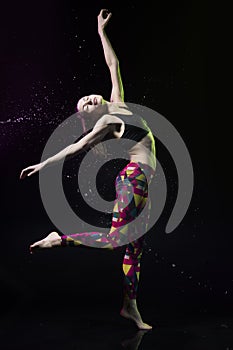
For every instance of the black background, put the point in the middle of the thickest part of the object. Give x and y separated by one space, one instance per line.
51 56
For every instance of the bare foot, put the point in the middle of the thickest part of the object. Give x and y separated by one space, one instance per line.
131 312
52 240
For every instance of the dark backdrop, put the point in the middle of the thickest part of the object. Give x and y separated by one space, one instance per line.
50 56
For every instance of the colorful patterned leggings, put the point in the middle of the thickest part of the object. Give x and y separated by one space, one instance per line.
131 197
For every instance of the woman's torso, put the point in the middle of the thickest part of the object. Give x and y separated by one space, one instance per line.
128 125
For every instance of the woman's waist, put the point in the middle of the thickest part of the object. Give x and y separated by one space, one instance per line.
135 165
144 161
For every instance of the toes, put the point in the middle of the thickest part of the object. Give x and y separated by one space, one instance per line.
34 246
143 326
146 326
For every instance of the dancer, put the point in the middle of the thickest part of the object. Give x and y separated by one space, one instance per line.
111 121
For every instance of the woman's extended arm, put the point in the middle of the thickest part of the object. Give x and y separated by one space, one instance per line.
111 59
91 139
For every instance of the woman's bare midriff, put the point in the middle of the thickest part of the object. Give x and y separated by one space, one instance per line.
143 151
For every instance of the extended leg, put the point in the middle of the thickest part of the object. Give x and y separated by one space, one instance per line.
131 196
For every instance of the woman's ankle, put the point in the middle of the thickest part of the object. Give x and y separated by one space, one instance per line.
128 302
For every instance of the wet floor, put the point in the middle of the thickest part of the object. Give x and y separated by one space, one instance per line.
105 329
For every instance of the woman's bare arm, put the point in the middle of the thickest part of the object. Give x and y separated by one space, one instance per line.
91 139
117 94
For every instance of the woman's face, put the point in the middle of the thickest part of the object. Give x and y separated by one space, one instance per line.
89 103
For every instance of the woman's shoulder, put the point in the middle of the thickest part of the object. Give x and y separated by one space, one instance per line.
117 113
110 119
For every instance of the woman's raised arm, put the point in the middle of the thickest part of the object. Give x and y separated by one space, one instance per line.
117 94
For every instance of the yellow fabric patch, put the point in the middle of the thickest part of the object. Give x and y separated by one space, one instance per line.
137 199
141 177
126 268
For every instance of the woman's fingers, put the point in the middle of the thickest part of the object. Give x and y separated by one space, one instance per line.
105 14
25 173
108 17
102 11
22 174
32 172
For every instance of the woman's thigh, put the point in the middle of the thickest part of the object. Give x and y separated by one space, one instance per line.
131 197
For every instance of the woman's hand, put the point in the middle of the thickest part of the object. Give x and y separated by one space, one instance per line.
31 170
103 18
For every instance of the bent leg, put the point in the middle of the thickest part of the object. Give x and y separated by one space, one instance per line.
131 196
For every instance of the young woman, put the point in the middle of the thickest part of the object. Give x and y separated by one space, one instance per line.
112 117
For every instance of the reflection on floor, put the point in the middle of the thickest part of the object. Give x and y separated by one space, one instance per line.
105 330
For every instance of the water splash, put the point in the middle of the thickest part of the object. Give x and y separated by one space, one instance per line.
25 120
